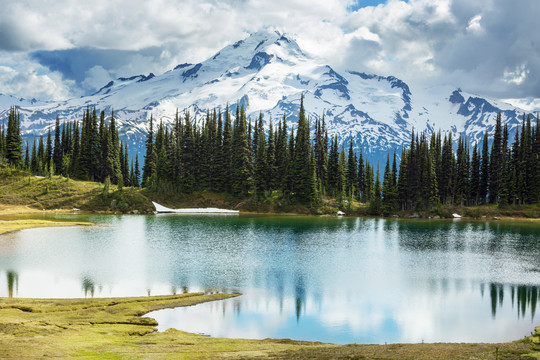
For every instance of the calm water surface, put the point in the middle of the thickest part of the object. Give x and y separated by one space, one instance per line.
326 279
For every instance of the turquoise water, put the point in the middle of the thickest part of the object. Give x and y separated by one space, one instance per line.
336 280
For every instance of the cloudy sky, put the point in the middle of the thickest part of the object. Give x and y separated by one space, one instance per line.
64 48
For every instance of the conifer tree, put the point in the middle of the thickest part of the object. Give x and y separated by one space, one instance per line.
227 152
462 174
302 172
368 183
446 182
484 170
261 163
282 156
333 168
495 164
114 152
375 203
389 191
2 143
75 152
57 151
361 176
241 157
149 158
474 189
219 155
188 155
402 180
351 170
137 171
48 152
13 140
34 162
271 167
341 177
27 157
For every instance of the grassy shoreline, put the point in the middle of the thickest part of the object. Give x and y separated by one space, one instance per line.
21 190
117 328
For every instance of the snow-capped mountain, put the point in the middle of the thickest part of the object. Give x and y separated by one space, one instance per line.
267 73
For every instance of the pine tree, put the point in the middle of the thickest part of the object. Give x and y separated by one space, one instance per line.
219 171
34 162
389 191
188 155
369 183
282 156
114 152
462 174
321 154
149 158
2 143
227 152
48 152
75 153
375 203
536 160
302 172
433 199
333 168
57 151
137 171
271 167
85 148
351 170
446 182
341 176
27 157
261 163
241 157
13 150
402 181
474 189
361 176
495 165
484 170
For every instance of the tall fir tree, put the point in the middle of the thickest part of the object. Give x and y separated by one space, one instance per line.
149 158
302 171
13 151
352 170
57 150
484 170
495 164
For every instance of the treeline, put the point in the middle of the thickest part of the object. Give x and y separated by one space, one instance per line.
231 154
91 150
431 173
235 157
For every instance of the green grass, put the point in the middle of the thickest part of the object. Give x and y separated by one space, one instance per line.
7 226
116 328
19 188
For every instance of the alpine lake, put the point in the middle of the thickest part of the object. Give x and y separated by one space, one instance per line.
338 280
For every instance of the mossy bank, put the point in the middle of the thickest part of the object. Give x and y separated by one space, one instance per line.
116 328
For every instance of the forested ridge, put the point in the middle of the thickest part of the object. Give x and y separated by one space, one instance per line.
231 154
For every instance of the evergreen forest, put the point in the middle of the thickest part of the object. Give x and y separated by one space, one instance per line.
246 159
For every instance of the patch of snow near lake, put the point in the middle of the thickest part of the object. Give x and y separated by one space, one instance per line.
163 209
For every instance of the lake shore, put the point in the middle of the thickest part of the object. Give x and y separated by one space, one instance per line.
23 194
117 327
13 218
